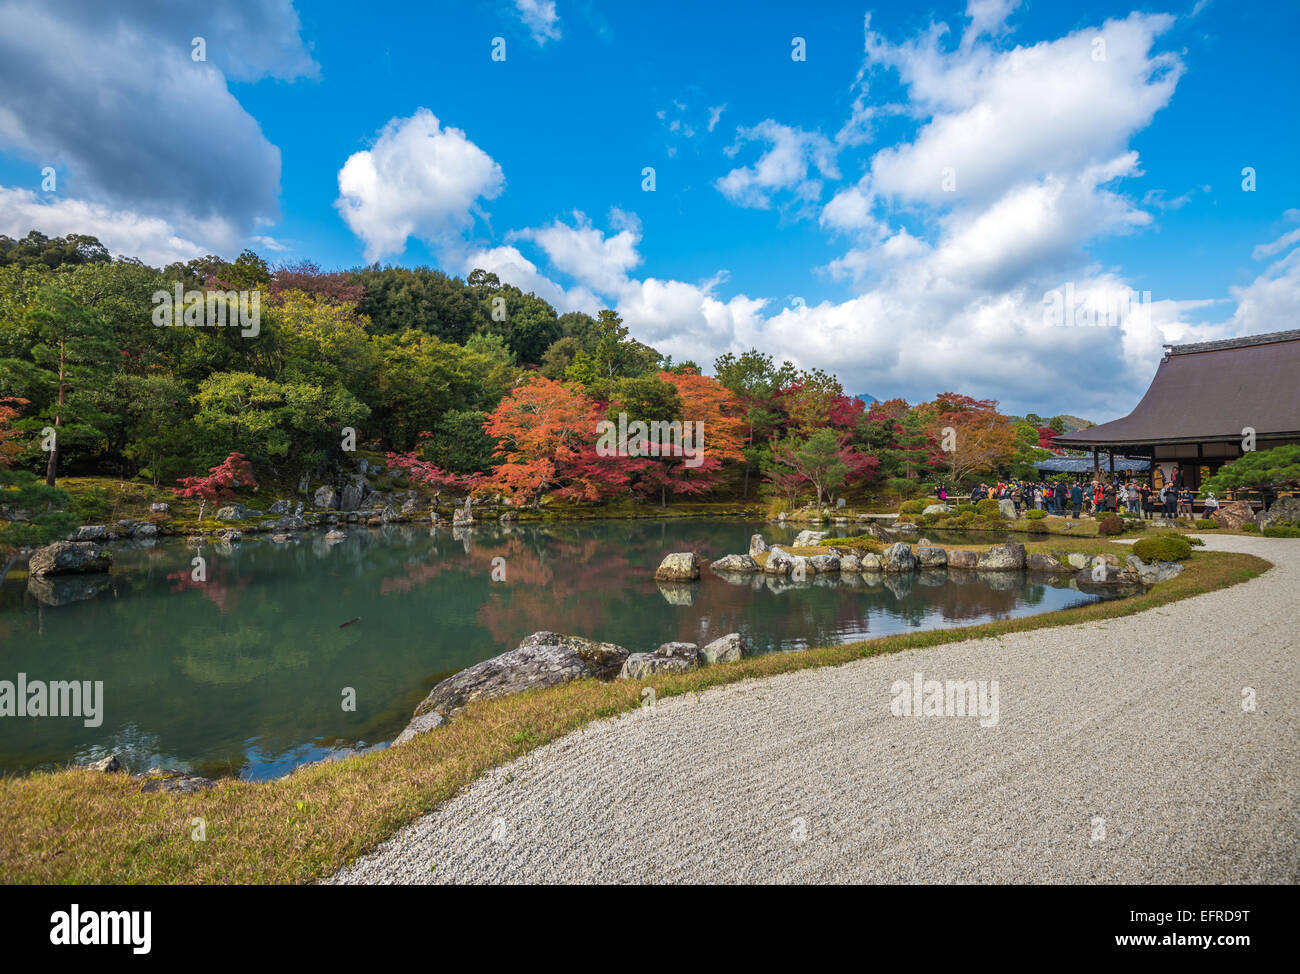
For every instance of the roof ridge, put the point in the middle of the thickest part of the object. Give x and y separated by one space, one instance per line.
1244 341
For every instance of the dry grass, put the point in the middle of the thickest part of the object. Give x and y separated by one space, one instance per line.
80 826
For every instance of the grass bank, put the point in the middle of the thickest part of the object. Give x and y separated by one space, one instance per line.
79 826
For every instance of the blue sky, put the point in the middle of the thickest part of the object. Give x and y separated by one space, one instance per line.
895 207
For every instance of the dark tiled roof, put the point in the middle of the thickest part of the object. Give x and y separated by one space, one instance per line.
1212 390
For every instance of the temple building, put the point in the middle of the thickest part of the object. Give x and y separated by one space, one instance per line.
1207 400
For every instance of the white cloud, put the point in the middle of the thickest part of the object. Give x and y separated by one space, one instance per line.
784 166
715 113
586 254
418 179
999 119
512 267
123 232
541 19
109 94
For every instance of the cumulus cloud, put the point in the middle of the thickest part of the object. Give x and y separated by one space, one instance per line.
418 179
784 166
162 135
123 232
541 19
995 119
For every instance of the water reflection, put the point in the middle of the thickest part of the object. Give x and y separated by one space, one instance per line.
244 672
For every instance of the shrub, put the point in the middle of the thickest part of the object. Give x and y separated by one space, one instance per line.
911 507
966 509
1196 542
1036 526
1282 531
92 506
1250 527
1207 524
1165 547
1035 515
988 507
863 541
1112 525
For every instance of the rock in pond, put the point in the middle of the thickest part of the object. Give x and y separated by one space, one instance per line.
757 545
778 562
279 508
668 658
871 562
335 536
1042 561
735 563
92 532
69 558
728 649
325 497
928 556
850 563
899 558
1002 557
806 539
963 559
544 659
680 566
821 564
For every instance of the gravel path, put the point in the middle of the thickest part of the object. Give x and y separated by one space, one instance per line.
1122 753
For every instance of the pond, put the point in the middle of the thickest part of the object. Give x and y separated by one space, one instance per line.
244 673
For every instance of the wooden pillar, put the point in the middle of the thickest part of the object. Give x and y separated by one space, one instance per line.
1096 465
1112 465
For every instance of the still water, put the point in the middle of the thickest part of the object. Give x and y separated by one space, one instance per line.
244 674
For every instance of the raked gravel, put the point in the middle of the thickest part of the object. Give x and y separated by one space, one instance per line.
1122 754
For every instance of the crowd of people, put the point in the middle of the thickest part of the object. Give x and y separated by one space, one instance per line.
1094 498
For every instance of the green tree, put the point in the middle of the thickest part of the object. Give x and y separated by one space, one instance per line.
1259 470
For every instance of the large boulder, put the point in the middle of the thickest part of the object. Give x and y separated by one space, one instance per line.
1007 509
735 563
352 497
92 532
326 497
1282 509
1002 557
778 562
69 558
680 566
899 558
929 556
963 559
1042 561
728 649
937 509
807 539
871 562
280 507
544 659
850 563
668 658
822 564
1234 515
1149 573
757 545
231 512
